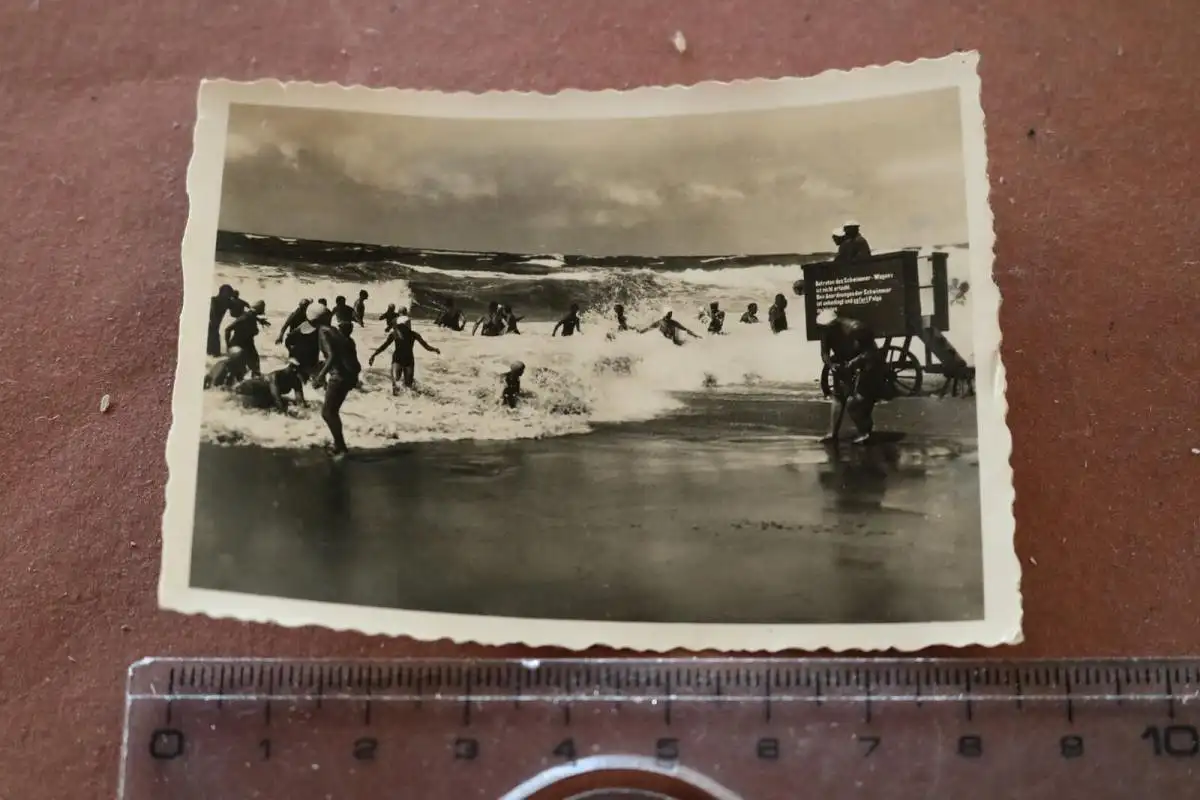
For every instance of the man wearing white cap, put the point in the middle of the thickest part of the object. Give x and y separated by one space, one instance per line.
404 360
854 246
857 372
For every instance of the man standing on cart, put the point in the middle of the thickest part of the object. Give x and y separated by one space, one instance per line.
858 373
853 246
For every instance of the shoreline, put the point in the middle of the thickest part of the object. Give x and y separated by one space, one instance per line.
796 416
609 527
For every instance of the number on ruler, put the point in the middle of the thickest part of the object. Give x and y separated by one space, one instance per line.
565 750
265 746
870 742
1181 741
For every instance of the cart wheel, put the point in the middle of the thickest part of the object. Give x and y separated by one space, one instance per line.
904 371
826 382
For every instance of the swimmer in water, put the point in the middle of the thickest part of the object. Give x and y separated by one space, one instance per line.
511 393
716 318
218 308
389 317
294 320
241 333
669 327
450 317
569 324
490 322
338 375
226 371
237 306
303 343
341 311
622 323
269 393
751 315
360 308
404 361
777 314
510 320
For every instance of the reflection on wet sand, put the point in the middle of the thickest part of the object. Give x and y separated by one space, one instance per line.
608 526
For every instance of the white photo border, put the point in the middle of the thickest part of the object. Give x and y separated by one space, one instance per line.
1001 568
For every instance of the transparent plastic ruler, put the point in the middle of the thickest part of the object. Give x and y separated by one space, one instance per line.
684 729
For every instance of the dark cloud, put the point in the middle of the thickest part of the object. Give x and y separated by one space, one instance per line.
765 181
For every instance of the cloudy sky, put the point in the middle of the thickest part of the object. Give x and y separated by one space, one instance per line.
748 182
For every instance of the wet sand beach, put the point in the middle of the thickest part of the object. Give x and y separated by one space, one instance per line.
726 511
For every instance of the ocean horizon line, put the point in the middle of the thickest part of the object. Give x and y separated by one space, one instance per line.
242 243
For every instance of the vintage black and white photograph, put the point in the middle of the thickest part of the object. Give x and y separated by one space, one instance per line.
705 367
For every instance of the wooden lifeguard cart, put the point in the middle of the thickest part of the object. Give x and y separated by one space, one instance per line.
885 293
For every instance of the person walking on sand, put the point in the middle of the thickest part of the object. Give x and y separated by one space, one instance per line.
570 324
360 308
669 327
294 320
854 246
269 393
511 394
490 321
858 373
716 318
777 314
751 315
217 309
241 333
404 361
338 375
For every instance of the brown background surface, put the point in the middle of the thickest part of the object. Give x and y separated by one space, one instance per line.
1093 136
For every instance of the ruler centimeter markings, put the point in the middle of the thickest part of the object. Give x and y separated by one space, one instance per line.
684 728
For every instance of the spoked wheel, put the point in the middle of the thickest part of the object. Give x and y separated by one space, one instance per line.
904 371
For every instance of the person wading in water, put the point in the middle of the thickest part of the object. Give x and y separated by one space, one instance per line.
669 327
338 376
294 320
858 373
777 314
269 393
404 361
490 322
241 333
570 324
217 309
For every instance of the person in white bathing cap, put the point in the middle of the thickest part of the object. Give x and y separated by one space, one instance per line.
669 327
854 246
303 343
